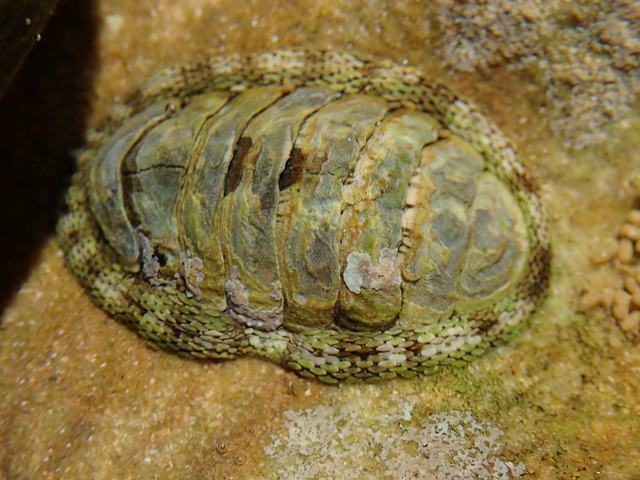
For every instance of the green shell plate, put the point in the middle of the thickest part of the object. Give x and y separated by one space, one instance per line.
345 218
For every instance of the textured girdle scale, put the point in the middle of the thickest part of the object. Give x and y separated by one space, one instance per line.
347 219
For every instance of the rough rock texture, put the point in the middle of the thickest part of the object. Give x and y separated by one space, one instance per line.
83 396
583 56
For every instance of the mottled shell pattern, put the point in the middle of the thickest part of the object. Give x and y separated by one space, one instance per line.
347 219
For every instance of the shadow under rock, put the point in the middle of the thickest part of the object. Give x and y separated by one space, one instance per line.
42 119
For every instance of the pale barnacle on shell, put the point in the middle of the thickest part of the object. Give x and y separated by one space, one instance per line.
348 219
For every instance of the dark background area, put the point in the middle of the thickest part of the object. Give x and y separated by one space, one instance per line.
21 26
43 116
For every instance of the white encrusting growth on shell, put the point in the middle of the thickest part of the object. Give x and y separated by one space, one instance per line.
361 273
239 310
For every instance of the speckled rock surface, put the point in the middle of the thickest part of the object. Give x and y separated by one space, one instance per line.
83 396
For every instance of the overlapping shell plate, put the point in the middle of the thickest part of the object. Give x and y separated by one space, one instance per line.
344 218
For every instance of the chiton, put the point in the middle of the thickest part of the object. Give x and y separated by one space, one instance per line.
348 219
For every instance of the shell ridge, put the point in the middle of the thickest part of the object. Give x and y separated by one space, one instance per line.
254 202
200 214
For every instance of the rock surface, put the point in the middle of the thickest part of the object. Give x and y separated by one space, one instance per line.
84 397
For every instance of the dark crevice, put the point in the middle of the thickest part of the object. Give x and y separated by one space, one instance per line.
236 167
153 167
293 169
42 120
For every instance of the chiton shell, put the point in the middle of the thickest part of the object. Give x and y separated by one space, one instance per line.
345 218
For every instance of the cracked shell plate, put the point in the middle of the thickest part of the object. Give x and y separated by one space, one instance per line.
345 218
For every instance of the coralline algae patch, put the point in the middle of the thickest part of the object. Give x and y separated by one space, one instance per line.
318 442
